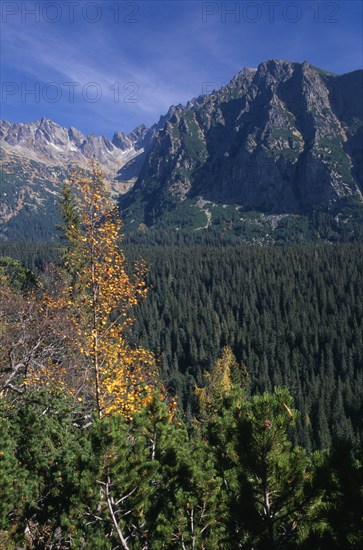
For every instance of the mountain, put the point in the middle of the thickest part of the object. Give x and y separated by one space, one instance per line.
36 157
278 145
47 142
285 138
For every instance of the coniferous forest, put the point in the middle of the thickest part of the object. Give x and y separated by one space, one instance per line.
292 316
193 397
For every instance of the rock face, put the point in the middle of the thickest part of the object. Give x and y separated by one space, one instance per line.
35 158
48 142
285 137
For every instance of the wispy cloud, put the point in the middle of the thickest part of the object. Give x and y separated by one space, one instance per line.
168 53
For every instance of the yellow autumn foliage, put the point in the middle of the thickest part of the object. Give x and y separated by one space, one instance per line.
97 296
218 382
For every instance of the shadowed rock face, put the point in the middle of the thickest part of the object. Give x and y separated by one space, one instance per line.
121 141
285 137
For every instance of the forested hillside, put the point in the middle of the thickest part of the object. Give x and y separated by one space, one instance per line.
178 397
293 316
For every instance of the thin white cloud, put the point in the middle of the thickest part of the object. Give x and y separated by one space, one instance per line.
168 54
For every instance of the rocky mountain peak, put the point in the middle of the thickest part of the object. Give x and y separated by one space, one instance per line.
275 138
138 133
46 141
121 141
76 136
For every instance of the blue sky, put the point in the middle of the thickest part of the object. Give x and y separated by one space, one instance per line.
103 66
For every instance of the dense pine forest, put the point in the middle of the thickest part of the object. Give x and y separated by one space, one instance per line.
292 315
194 396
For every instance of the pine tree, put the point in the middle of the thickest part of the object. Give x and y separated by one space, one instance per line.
263 474
274 471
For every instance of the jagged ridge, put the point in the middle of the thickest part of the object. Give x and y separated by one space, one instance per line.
285 137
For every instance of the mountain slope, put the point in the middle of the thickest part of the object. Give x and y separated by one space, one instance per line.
35 158
283 138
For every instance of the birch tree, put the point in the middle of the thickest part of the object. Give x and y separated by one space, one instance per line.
98 296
